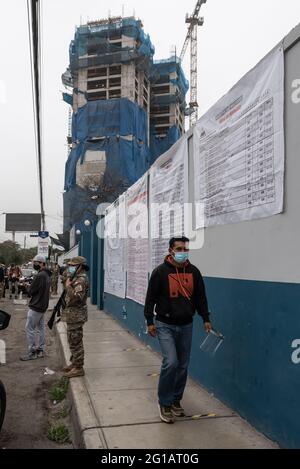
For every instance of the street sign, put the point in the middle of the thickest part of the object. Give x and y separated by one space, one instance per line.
43 234
43 243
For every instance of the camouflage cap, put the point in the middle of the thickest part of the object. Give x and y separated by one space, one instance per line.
77 261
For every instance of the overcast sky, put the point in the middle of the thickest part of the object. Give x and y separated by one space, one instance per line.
235 36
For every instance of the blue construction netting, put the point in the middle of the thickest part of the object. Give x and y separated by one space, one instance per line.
160 72
126 159
77 208
126 162
106 118
159 145
99 36
120 128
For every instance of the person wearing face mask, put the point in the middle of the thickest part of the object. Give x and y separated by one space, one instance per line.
39 292
75 313
176 290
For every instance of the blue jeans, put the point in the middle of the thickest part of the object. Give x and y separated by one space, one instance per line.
175 343
35 331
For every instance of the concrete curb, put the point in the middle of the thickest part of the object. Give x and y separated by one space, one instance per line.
87 430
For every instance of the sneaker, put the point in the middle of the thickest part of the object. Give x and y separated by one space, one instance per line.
40 354
177 410
28 356
165 414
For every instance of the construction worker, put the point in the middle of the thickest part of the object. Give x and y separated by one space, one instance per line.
75 313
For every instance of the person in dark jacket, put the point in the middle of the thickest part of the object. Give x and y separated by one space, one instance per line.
39 292
2 281
176 290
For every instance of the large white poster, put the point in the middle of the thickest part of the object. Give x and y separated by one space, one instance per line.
115 249
137 241
168 195
239 149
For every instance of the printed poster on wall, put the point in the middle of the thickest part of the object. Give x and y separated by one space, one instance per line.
239 149
115 249
137 242
168 194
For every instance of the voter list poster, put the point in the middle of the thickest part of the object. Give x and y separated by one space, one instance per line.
115 249
239 149
137 251
168 195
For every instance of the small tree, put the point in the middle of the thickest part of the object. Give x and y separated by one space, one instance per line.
10 253
95 191
28 254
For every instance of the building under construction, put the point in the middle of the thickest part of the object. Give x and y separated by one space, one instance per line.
127 110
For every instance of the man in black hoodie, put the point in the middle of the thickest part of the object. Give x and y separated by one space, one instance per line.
39 292
176 290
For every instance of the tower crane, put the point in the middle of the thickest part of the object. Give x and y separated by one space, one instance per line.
192 35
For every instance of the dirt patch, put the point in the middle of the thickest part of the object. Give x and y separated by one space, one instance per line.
30 412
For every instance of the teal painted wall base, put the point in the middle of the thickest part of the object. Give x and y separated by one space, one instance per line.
253 371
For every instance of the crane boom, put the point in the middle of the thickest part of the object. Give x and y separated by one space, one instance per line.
194 16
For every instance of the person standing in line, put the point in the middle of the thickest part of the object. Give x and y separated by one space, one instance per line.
14 275
39 293
2 281
176 290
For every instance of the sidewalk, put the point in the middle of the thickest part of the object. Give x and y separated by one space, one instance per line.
115 404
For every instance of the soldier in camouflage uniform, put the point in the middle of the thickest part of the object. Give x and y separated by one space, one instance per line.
75 313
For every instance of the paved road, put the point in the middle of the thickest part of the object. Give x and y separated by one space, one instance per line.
28 405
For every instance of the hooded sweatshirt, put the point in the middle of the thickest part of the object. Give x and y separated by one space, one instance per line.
176 293
39 291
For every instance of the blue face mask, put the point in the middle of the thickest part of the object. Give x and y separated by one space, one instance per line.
72 270
181 257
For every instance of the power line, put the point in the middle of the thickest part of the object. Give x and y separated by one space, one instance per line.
34 26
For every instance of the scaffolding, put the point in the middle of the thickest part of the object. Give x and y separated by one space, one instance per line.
100 43
115 91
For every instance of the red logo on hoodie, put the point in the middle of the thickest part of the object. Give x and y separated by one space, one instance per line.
181 284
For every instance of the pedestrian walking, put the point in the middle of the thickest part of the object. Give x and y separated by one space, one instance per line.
176 291
75 313
39 292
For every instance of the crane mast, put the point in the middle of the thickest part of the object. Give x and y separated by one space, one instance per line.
192 36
